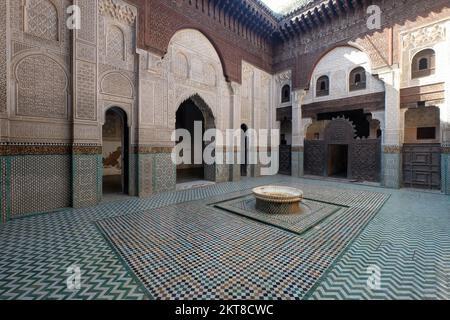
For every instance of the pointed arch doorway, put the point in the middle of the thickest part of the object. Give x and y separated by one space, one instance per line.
115 152
189 112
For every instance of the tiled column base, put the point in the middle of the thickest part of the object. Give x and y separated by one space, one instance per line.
297 162
5 189
155 171
392 167
164 173
255 170
235 169
144 175
445 172
222 172
87 179
133 174
33 179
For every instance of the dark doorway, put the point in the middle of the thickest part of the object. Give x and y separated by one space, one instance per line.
186 116
244 151
338 161
115 152
285 156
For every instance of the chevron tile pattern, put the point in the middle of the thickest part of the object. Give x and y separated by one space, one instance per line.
409 243
408 240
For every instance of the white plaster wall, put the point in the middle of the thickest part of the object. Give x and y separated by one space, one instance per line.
118 72
434 36
337 65
279 81
256 97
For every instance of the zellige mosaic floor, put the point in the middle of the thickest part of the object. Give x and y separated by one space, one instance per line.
195 251
176 245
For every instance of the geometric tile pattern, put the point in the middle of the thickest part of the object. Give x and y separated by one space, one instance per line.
164 173
5 186
40 183
87 180
312 213
195 251
409 241
36 251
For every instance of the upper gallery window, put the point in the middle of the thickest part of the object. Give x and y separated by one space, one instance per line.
423 64
323 86
286 94
358 79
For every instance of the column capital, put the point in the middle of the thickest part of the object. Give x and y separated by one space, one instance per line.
306 123
389 75
297 97
234 87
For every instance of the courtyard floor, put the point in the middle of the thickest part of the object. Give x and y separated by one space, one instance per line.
207 243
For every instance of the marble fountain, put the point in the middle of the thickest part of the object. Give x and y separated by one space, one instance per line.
278 199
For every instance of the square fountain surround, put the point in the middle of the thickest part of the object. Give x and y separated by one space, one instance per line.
312 213
194 250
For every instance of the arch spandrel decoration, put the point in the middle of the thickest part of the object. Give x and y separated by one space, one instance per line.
202 75
202 99
117 84
340 131
196 41
203 106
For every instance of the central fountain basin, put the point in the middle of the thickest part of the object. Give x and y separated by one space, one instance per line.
278 199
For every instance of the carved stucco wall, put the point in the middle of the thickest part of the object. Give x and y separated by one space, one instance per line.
39 84
191 66
42 85
3 57
337 65
41 19
117 59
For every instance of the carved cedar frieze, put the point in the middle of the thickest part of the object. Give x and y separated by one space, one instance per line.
122 13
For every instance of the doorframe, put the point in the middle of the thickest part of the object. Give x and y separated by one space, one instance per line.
125 146
327 158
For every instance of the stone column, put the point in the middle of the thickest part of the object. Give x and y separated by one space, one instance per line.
86 156
298 133
142 154
381 117
234 152
393 133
